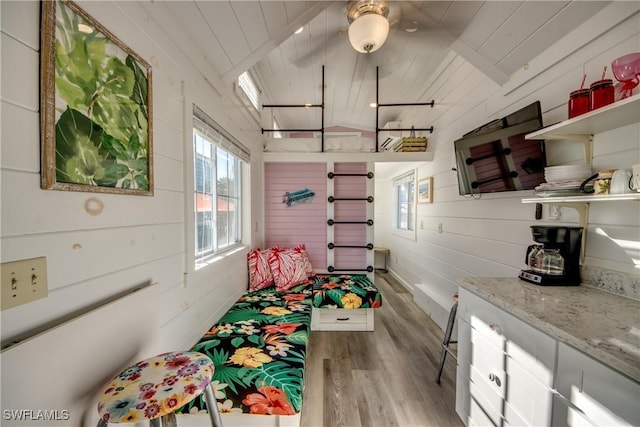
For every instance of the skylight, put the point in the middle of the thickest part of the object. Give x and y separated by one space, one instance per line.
250 89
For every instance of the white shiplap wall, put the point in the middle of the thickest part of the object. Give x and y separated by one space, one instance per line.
133 240
489 236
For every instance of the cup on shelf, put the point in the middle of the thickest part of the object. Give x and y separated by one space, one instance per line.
601 182
620 182
601 93
578 102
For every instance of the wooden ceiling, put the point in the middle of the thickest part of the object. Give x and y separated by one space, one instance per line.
496 37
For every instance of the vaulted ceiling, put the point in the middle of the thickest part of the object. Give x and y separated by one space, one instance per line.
496 37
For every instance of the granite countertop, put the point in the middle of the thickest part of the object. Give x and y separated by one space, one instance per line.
603 325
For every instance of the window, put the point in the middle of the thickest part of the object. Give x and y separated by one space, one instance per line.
217 189
404 196
250 89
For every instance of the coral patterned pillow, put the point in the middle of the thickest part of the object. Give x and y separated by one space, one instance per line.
287 268
302 250
260 276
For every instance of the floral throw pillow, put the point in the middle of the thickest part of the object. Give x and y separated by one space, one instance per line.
287 268
260 276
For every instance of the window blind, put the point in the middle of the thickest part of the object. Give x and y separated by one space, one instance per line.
404 178
216 133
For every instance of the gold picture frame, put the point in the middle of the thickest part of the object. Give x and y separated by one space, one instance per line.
96 107
425 190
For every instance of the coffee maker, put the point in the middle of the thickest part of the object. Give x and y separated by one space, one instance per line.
555 260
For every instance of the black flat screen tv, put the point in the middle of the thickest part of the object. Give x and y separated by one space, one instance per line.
496 156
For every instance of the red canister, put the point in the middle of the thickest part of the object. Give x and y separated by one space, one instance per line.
578 102
601 93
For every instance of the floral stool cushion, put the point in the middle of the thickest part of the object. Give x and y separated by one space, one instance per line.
155 387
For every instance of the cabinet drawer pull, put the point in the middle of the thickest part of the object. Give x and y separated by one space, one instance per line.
342 319
495 379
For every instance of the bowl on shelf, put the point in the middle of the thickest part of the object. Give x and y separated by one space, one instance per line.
626 70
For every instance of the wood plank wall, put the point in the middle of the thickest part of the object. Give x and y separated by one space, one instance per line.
350 210
462 236
304 223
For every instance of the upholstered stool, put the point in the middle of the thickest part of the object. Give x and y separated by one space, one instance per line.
153 388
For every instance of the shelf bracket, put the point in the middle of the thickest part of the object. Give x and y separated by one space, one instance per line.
586 139
583 221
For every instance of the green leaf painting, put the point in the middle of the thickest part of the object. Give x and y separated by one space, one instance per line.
101 105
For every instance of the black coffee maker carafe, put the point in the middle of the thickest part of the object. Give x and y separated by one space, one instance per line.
555 260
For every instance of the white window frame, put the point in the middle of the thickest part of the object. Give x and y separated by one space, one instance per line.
402 179
204 126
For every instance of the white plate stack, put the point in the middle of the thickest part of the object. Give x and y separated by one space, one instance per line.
567 173
563 180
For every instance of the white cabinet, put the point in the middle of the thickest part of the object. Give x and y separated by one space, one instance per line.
593 394
512 374
505 367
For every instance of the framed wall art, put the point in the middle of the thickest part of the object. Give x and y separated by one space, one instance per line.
96 107
425 190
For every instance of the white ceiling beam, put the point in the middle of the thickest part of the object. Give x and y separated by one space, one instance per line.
480 62
275 41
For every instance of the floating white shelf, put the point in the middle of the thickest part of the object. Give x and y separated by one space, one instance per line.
583 199
618 114
582 128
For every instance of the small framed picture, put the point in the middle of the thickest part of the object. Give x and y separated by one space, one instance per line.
425 190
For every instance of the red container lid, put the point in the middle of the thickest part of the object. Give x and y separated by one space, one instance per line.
579 92
601 83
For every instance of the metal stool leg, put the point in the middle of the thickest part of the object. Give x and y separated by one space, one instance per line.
212 407
447 340
169 420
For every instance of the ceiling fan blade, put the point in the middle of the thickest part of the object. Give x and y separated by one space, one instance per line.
319 50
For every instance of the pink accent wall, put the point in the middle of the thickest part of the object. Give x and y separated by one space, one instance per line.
304 223
348 210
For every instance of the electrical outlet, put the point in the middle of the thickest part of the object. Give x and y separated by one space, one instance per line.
554 211
440 227
23 281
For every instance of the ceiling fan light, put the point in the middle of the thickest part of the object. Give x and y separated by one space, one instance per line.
368 32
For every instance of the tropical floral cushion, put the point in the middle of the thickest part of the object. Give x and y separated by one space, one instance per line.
260 276
258 349
287 267
345 291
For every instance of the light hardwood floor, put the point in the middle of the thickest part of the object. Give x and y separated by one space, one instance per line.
381 378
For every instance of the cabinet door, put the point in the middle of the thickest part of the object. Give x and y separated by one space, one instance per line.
487 373
463 397
511 364
594 392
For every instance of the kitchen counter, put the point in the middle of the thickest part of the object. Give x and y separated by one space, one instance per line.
600 324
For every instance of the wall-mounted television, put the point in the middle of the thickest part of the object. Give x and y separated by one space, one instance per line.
496 156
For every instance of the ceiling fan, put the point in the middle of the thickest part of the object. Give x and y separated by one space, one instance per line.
368 24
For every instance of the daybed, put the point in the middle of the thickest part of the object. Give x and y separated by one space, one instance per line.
259 346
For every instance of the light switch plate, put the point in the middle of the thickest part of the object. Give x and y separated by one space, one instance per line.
23 281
